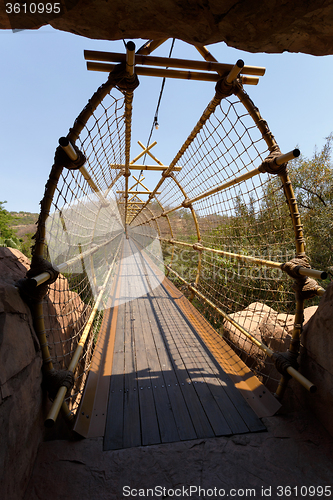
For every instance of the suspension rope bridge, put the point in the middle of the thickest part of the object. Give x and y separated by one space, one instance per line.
158 310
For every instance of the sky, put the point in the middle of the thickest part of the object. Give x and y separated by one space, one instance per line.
45 84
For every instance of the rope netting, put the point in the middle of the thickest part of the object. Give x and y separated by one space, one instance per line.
249 218
80 234
225 226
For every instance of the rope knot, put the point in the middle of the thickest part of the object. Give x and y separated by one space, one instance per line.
31 293
187 203
61 159
224 89
119 78
58 378
304 285
283 360
269 164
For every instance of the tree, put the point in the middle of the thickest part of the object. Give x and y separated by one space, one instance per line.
312 180
6 232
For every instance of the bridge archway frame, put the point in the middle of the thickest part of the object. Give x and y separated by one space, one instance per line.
61 163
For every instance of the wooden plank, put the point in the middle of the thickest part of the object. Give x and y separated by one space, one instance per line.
252 390
149 425
164 399
217 382
208 419
238 403
132 427
173 416
95 398
113 438
199 419
196 365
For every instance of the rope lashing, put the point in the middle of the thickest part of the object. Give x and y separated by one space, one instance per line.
187 203
55 379
224 89
283 360
29 291
61 158
119 78
269 164
306 286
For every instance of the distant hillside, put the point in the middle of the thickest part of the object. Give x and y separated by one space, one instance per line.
23 223
24 227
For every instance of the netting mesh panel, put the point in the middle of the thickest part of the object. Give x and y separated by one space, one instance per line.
249 218
84 230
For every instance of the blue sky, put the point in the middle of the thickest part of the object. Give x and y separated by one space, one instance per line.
45 84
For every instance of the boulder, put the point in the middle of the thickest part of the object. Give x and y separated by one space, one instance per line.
268 326
317 360
253 26
21 419
22 403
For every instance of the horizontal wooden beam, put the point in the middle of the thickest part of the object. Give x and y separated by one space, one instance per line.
146 167
138 192
170 73
220 68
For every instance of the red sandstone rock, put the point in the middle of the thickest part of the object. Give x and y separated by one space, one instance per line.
21 426
267 326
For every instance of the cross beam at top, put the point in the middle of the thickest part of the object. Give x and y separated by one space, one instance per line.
208 67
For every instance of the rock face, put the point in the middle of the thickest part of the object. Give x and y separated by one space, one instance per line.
22 402
317 360
21 425
249 25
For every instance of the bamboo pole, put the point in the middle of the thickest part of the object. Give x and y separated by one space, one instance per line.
72 155
235 70
287 157
41 278
169 73
303 271
157 168
58 401
142 152
139 181
150 154
291 371
206 54
128 124
68 148
137 192
165 62
221 187
130 58
152 45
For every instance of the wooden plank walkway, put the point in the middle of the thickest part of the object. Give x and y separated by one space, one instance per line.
165 384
